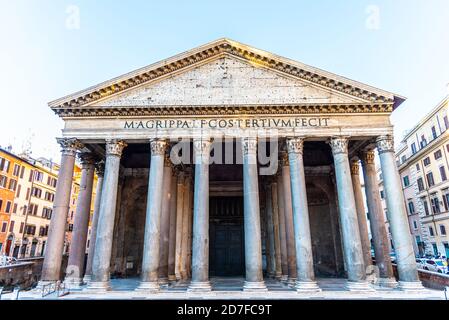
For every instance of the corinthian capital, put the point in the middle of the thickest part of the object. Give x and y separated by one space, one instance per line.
295 145
355 167
69 146
385 144
367 156
339 145
202 146
158 147
99 168
115 147
87 160
249 145
283 159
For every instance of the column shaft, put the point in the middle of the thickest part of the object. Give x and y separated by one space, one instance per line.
253 242
103 243
397 215
277 240
361 215
282 232
200 242
165 222
185 227
77 254
302 237
150 261
172 228
271 256
352 246
51 268
179 224
94 223
289 228
377 221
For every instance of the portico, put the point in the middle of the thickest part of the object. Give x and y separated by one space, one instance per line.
228 160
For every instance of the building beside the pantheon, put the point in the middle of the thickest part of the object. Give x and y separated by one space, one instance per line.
423 163
227 160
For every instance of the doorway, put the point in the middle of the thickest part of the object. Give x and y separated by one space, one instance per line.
226 250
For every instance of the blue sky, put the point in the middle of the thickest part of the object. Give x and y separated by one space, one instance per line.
400 46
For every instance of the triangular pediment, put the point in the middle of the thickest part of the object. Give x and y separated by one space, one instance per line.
227 81
226 73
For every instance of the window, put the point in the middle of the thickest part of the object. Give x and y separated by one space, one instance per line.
430 180
406 181
446 200
49 196
39 176
426 206
8 207
434 132
403 159
446 122
411 207
19 187
382 195
46 213
443 173
435 203
431 233
14 208
437 154
415 225
11 226
51 182
1 204
4 165
70 227
33 209
21 227
16 170
442 230
3 181
12 184
22 171
30 179
36 192
423 142
28 194
30 230
4 226
418 167
426 161
413 148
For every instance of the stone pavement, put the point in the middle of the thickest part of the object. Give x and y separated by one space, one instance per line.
231 288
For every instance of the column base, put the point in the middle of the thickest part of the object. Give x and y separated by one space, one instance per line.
171 277
254 286
73 283
307 287
42 283
87 278
148 287
291 281
199 286
359 286
411 286
278 276
98 286
387 282
163 281
284 278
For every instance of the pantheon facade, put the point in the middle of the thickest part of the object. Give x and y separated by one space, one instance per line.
229 161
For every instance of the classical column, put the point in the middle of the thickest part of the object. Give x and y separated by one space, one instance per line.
165 222
103 242
179 223
200 244
349 225
377 221
253 241
270 250
282 232
189 234
99 168
51 268
150 260
185 226
288 212
173 225
361 215
277 240
77 254
397 216
303 241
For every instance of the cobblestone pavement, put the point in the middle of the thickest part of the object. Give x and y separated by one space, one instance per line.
231 288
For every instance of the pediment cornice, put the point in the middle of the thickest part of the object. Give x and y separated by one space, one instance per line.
219 48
